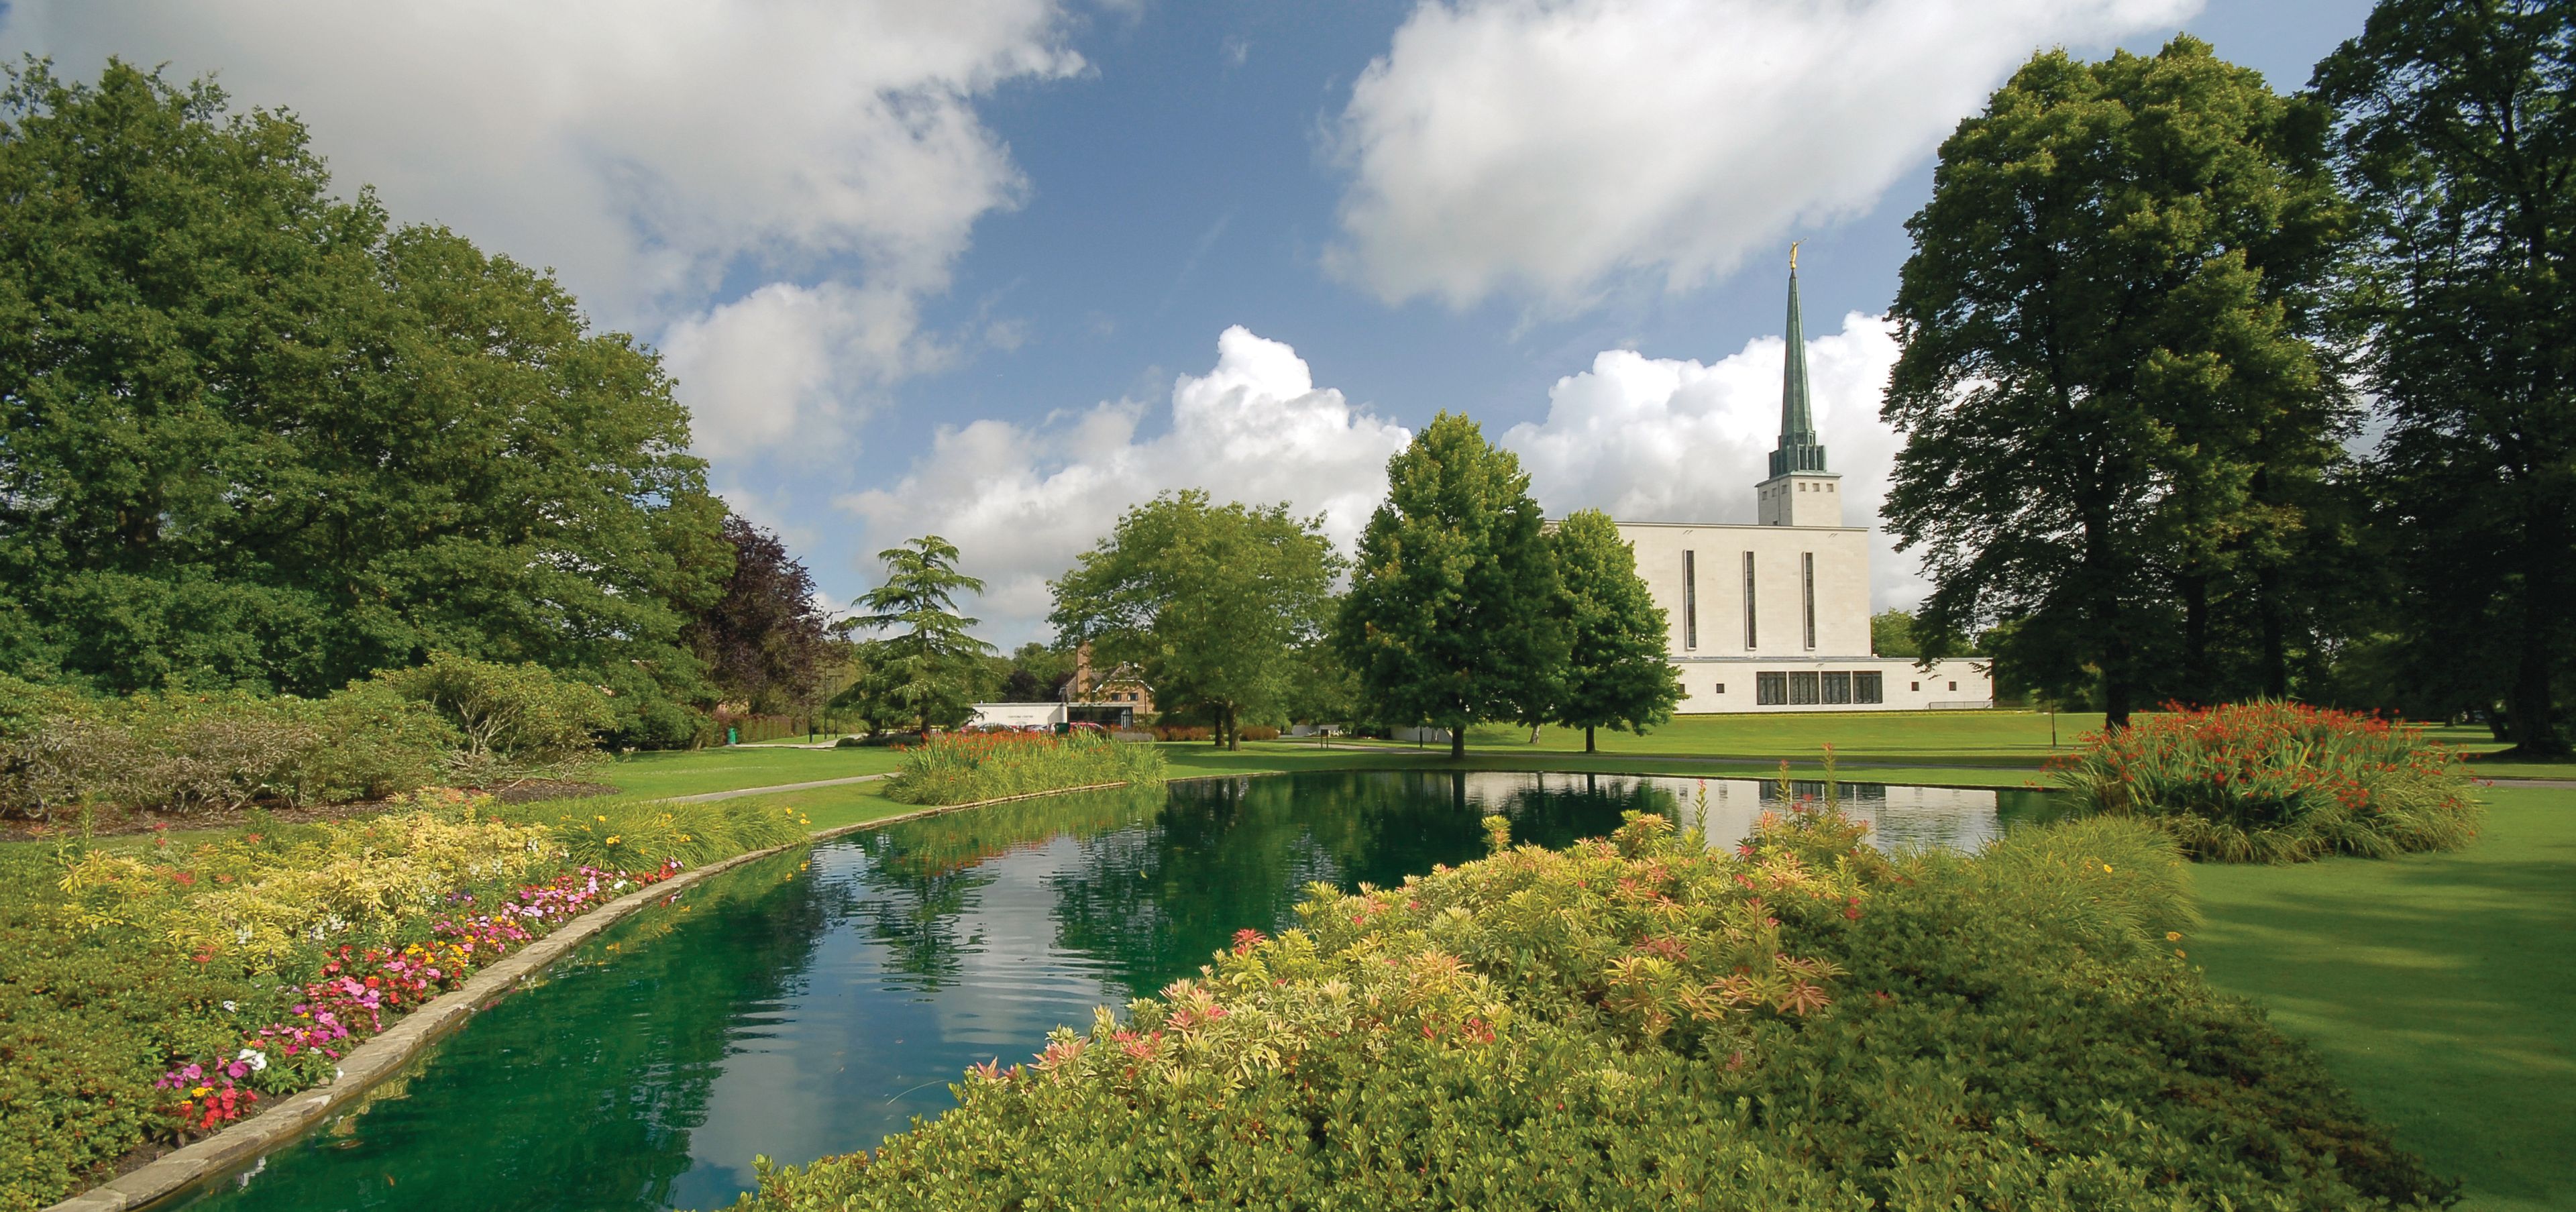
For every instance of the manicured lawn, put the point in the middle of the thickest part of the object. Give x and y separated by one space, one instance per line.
732 768
2440 987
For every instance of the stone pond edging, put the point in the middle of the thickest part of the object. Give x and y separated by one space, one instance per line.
385 1053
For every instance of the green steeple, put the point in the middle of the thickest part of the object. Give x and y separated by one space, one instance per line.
1798 450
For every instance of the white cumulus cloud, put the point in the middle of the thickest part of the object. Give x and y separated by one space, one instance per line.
1658 440
1543 147
1021 502
659 154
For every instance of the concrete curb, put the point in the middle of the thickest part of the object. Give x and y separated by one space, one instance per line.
386 1053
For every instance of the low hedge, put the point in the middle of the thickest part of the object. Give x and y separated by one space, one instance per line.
1639 1023
2276 782
964 767
152 990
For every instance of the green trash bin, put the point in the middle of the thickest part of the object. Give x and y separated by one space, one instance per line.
733 736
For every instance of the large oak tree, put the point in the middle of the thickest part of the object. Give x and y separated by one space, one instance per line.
2103 352
255 435
2460 140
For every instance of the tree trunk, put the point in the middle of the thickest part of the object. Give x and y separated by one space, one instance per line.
2195 639
2530 715
1589 746
2102 589
2276 643
1233 731
1458 743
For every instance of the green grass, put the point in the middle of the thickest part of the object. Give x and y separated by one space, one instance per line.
732 768
2440 987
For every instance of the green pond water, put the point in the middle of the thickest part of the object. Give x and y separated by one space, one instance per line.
814 1002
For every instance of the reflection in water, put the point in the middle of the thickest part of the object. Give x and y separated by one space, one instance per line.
811 1004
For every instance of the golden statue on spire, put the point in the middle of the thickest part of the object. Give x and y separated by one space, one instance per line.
1793 255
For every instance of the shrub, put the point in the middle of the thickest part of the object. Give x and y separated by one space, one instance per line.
1638 1022
516 720
186 752
617 832
961 768
1258 732
2277 783
1182 732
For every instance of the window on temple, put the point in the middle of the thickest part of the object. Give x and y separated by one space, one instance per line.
1838 687
1748 601
1690 599
1808 559
1865 687
1770 689
1803 690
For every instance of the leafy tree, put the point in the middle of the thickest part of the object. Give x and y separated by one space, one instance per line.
2102 351
254 436
1034 673
763 642
1212 602
2459 138
1891 634
931 671
1454 614
1616 674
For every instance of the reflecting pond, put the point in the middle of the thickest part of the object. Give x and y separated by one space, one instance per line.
815 1001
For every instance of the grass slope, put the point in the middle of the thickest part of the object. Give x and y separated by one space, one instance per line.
2440 987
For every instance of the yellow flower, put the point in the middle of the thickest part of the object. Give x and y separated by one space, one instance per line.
612 839
2106 868
600 819
2173 936
2178 953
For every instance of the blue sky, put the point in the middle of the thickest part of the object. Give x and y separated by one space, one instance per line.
1001 269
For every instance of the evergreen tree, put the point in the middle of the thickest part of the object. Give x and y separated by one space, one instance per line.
1212 602
1615 672
2103 349
1454 614
931 670
2460 141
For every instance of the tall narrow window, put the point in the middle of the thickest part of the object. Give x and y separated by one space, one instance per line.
1748 601
1808 563
1690 599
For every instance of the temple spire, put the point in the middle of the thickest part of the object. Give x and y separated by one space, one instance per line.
1798 449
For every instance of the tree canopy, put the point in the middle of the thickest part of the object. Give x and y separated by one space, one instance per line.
1616 674
253 435
1455 613
2104 351
2459 139
1215 603
763 639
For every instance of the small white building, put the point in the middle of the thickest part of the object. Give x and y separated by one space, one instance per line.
1016 715
1775 616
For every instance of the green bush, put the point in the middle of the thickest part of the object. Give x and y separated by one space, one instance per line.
2277 783
188 752
1639 1023
619 832
516 720
962 768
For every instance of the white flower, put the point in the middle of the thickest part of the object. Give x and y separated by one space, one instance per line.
253 1057
229 1007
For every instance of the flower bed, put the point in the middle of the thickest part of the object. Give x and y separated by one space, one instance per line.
150 993
1639 1022
962 768
2277 783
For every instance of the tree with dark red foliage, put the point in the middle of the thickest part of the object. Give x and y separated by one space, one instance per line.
763 641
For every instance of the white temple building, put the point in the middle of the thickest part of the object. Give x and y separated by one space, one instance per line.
1775 616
